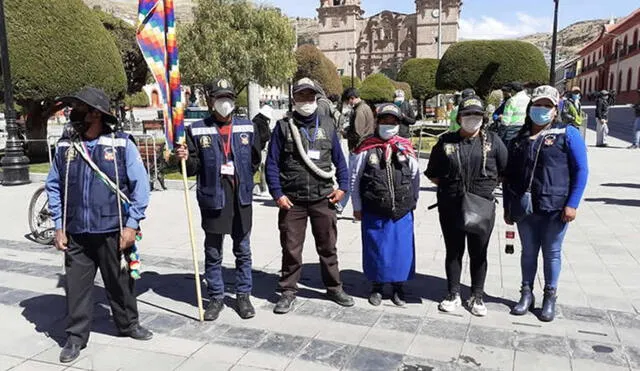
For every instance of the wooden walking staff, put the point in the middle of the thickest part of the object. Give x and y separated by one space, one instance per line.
158 42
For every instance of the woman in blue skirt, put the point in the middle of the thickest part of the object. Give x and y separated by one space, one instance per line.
385 184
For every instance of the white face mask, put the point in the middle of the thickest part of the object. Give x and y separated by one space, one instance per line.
387 132
471 124
306 108
224 106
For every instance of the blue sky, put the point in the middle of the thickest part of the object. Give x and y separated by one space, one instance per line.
491 18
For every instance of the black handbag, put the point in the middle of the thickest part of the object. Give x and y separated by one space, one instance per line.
478 213
521 205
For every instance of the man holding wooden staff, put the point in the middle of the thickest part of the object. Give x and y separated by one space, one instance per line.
222 152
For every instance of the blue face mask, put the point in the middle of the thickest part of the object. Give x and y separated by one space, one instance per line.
576 97
541 115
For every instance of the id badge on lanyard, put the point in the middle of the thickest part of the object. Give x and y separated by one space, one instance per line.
228 167
313 153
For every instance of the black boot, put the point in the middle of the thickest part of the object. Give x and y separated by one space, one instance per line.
213 309
526 303
548 304
398 297
245 308
375 298
70 352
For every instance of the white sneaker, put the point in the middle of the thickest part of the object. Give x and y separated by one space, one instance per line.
477 306
450 303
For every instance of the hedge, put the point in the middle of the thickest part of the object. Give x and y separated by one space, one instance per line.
486 65
420 74
56 47
346 82
377 88
312 63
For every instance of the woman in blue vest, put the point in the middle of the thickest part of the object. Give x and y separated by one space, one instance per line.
385 184
469 160
546 174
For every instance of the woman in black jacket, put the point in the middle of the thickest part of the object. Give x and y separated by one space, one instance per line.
471 160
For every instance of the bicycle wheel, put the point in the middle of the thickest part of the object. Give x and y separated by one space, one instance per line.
40 221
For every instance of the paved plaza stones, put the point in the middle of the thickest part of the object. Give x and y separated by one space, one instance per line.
597 327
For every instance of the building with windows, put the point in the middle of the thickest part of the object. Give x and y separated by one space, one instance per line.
612 61
383 42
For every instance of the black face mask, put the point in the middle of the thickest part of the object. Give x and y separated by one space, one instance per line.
78 122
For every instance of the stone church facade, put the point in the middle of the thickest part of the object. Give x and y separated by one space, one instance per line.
383 42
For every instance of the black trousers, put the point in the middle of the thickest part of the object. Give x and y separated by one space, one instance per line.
324 226
85 254
454 240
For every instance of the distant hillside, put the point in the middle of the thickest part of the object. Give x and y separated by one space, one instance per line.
128 9
570 39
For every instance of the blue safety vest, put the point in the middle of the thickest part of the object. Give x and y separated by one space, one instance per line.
551 177
91 206
205 136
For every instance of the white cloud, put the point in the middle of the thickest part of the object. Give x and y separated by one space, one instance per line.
488 28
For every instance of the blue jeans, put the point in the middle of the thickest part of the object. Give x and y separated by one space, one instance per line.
542 231
213 264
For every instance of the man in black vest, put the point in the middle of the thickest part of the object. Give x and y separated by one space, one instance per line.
222 152
300 178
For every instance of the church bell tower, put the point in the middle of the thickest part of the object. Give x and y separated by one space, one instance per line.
339 21
428 15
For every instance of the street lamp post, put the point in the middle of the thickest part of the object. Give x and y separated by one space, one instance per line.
353 71
14 164
554 44
618 83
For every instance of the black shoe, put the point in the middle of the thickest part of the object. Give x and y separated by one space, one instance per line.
245 309
375 298
341 298
285 304
526 303
548 305
138 333
633 146
213 309
70 352
398 296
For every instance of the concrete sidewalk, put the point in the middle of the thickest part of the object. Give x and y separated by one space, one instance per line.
598 326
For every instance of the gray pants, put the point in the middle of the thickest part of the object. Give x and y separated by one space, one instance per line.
602 132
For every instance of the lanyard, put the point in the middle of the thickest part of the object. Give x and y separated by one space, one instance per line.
226 147
315 133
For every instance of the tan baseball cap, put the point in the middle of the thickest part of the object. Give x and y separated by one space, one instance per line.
546 92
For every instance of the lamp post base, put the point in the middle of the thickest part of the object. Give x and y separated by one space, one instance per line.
15 165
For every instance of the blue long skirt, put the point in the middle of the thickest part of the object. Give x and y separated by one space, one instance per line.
388 248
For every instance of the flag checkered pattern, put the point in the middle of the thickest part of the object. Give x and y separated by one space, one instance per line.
156 35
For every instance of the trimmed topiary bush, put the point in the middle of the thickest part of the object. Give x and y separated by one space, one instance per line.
377 88
346 82
486 65
315 65
420 73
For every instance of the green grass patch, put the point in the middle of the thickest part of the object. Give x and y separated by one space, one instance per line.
42 168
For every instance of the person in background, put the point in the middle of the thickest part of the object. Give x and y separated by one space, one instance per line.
507 93
548 159
385 184
262 122
515 111
361 126
473 160
636 124
408 115
303 151
571 111
224 154
603 102
454 126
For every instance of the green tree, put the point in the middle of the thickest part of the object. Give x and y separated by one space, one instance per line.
420 74
57 47
124 36
238 40
487 65
139 99
315 65
346 82
377 88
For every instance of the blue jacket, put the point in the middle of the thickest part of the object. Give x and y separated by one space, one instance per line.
91 206
206 157
560 176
